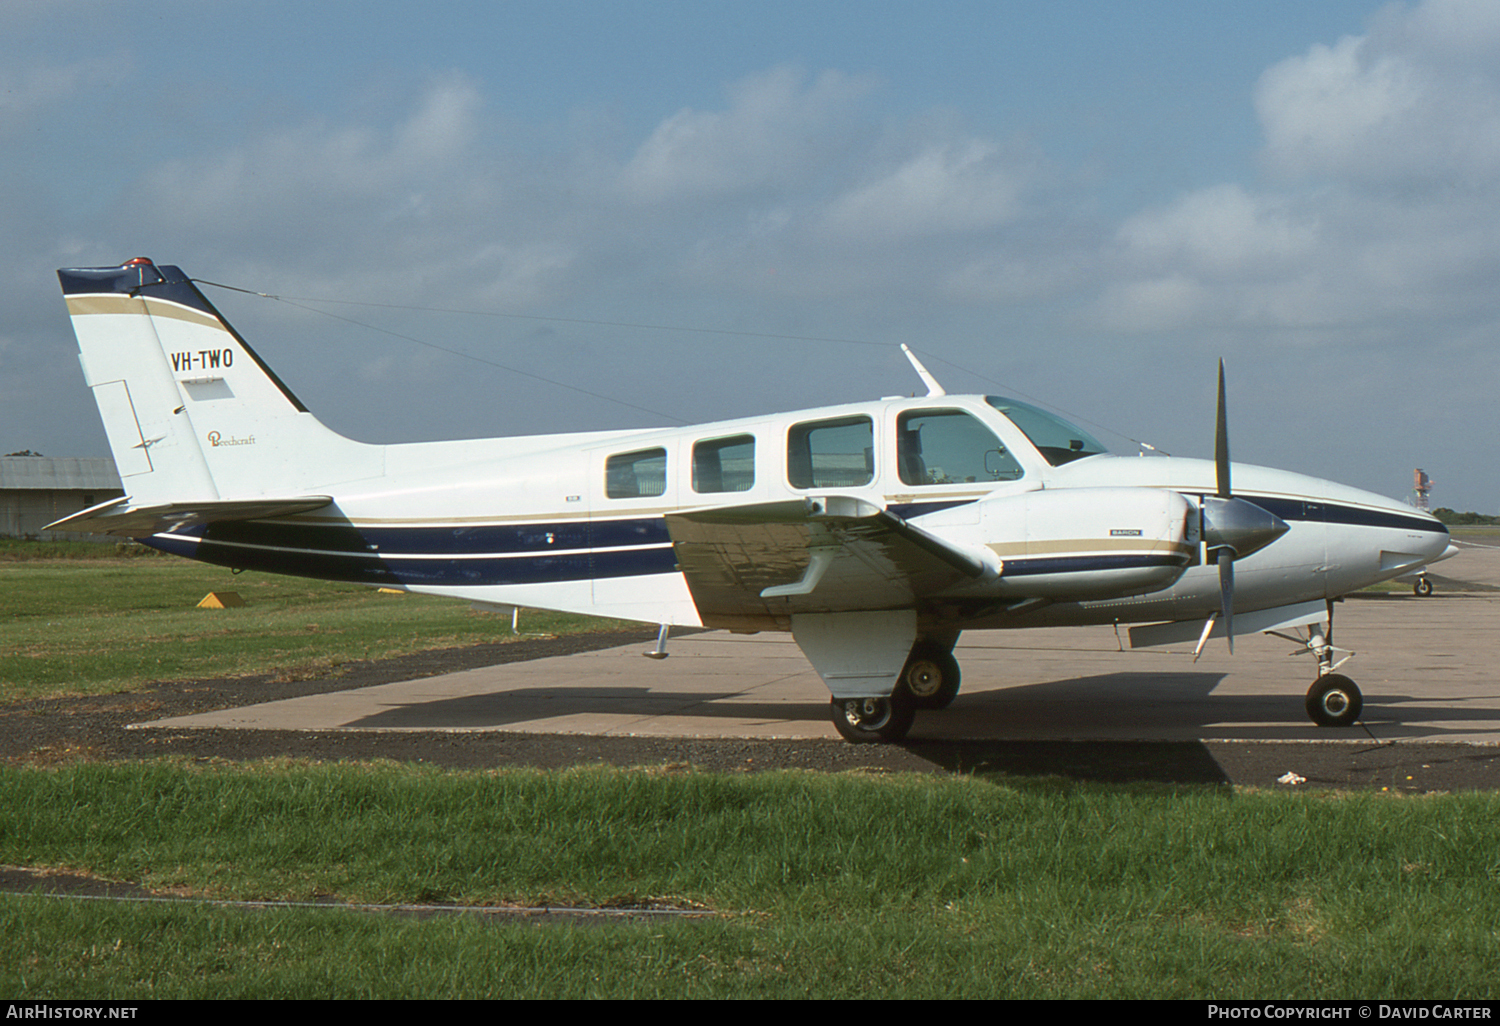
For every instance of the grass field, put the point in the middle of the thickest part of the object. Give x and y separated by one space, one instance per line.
89 622
820 885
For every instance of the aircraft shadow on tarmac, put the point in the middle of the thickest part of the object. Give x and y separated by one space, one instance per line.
1415 715
1119 706
500 709
1168 728
967 751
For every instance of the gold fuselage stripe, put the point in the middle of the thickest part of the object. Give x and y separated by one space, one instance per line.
1081 545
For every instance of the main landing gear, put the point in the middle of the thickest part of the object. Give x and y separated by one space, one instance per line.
929 680
931 675
869 720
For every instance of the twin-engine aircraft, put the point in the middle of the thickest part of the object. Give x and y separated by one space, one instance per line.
874 532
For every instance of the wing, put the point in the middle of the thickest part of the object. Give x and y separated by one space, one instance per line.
751 567
118 516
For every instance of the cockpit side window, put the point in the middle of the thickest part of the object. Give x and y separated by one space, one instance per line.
940 447
1058 441
831 453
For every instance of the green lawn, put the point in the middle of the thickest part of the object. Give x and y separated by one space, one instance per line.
822 885
90 626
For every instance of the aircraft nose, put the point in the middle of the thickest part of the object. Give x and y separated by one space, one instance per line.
1240 525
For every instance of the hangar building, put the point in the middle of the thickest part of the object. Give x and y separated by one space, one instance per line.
36 490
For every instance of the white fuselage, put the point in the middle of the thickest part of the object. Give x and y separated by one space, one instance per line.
535 522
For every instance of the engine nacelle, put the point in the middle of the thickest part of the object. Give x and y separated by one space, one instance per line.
1089 543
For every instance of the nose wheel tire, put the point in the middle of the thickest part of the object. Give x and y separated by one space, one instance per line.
931 678
1334 701
1422 588
873 720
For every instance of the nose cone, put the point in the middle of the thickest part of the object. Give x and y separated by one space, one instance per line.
1239 525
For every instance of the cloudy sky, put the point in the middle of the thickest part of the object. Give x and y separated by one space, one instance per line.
514 216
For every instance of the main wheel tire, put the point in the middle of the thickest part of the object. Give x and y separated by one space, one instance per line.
872 720
1334 701
931 677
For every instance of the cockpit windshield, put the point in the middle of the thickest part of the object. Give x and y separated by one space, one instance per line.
1058 441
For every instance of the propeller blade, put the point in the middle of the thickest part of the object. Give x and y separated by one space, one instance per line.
1226 593
1221 441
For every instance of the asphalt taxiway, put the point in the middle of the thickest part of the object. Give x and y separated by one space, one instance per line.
1425 665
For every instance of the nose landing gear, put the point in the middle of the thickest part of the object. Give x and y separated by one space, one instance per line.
1333 700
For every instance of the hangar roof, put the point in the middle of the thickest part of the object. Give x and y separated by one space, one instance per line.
44 472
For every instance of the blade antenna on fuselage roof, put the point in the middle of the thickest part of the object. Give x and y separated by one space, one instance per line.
933 388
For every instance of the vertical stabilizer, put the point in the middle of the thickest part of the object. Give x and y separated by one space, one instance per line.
192 413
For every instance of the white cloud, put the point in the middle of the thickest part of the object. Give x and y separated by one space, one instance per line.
959 186
1220 231
1449 27
1393 107
445 124
1166 303
775 127
314 172
26 92
1017 276
1383 209
507 276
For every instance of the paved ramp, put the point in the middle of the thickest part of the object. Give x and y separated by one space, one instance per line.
1427 668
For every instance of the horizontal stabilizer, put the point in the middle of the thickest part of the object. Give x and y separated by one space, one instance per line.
118 516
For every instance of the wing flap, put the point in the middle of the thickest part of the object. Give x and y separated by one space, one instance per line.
119 517
747 565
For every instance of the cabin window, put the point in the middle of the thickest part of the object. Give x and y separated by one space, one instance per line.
940 447
724 464
635 475
831 453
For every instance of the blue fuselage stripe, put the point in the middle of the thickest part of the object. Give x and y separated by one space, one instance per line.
1087 564
474 570
577 550
1352 516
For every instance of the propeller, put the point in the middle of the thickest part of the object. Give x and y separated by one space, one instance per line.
1225 555
1232 528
